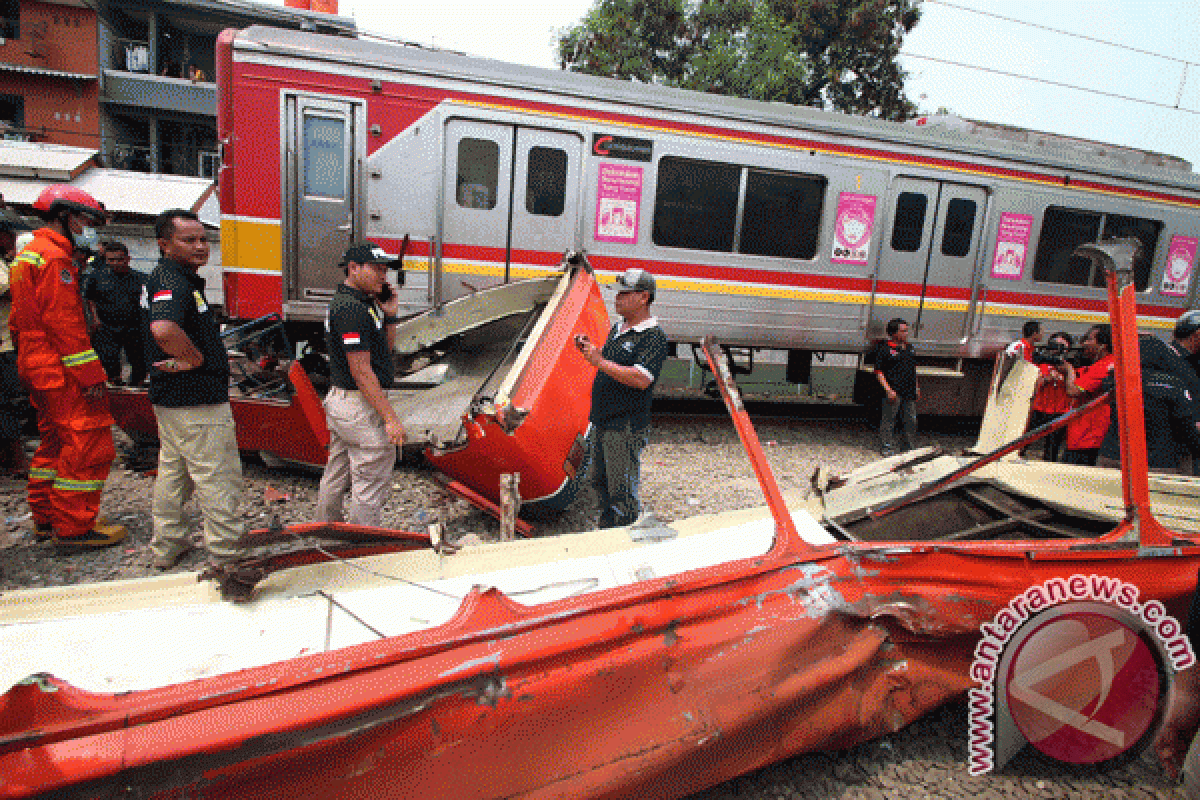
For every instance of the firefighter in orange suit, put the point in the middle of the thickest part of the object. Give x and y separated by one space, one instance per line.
65 378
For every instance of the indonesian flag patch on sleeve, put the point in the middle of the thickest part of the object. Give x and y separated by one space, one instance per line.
351 338
165 294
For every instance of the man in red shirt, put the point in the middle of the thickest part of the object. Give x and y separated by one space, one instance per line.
1031 334
1086 433
1050 398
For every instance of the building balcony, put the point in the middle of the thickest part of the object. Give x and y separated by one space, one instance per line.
142 90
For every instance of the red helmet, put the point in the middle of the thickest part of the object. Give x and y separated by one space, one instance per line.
62 197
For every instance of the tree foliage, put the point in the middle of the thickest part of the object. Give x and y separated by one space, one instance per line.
838 54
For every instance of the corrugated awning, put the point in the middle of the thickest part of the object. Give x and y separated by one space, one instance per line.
54 162
52 73
125 192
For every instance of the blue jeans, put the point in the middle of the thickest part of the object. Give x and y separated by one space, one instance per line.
906 409
616 472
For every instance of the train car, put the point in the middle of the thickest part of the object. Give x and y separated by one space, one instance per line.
768 225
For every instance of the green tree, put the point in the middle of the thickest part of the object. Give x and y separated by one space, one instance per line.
838 54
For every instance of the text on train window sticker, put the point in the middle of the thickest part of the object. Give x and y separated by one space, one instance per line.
697 207
1064 229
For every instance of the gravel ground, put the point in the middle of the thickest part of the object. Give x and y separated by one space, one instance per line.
692 465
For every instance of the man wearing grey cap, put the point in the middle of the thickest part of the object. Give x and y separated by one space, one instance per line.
364 429
626 370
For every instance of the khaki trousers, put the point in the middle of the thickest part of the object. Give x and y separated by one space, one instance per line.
361 459
198 454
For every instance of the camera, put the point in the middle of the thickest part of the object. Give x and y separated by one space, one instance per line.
1055 355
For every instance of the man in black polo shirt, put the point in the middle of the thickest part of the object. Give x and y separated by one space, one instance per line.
113 292
896 371
626 371
364 430
189 388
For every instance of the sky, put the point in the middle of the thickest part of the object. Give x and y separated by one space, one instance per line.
524 32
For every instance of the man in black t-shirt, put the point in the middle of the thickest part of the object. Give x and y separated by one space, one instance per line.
189 388
113 292
896 371
364 430
626 370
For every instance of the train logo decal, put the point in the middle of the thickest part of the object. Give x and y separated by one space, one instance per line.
1012 244
1177 276
853 229
618 198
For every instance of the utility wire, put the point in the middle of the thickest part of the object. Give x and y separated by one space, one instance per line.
1059 31
1051 83
1048 82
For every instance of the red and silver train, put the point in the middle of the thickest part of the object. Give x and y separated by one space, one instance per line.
770 226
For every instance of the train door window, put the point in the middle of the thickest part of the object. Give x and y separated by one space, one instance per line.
1147 231
909 222
695 204
959 227
1062 231
546 187
781 215
324 157
478 173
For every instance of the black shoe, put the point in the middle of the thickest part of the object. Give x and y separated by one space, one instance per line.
105 534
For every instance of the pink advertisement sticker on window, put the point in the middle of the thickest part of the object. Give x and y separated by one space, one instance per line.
618 203
853 228
1012 246
1181 258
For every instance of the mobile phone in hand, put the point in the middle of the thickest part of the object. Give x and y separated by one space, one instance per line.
385 292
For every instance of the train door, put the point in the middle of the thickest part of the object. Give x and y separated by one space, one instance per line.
321 197
933 243
511 199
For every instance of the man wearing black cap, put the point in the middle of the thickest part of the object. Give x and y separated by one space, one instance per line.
364 430
626 371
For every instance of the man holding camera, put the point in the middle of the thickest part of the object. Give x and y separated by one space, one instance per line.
364 430
626 370
1050 398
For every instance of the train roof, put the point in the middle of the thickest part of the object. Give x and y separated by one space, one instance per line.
655 99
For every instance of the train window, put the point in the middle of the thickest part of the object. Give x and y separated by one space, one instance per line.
959 226
324 156
1062 231
478 173
695 205
782 215
909 224
546 189
1147 231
